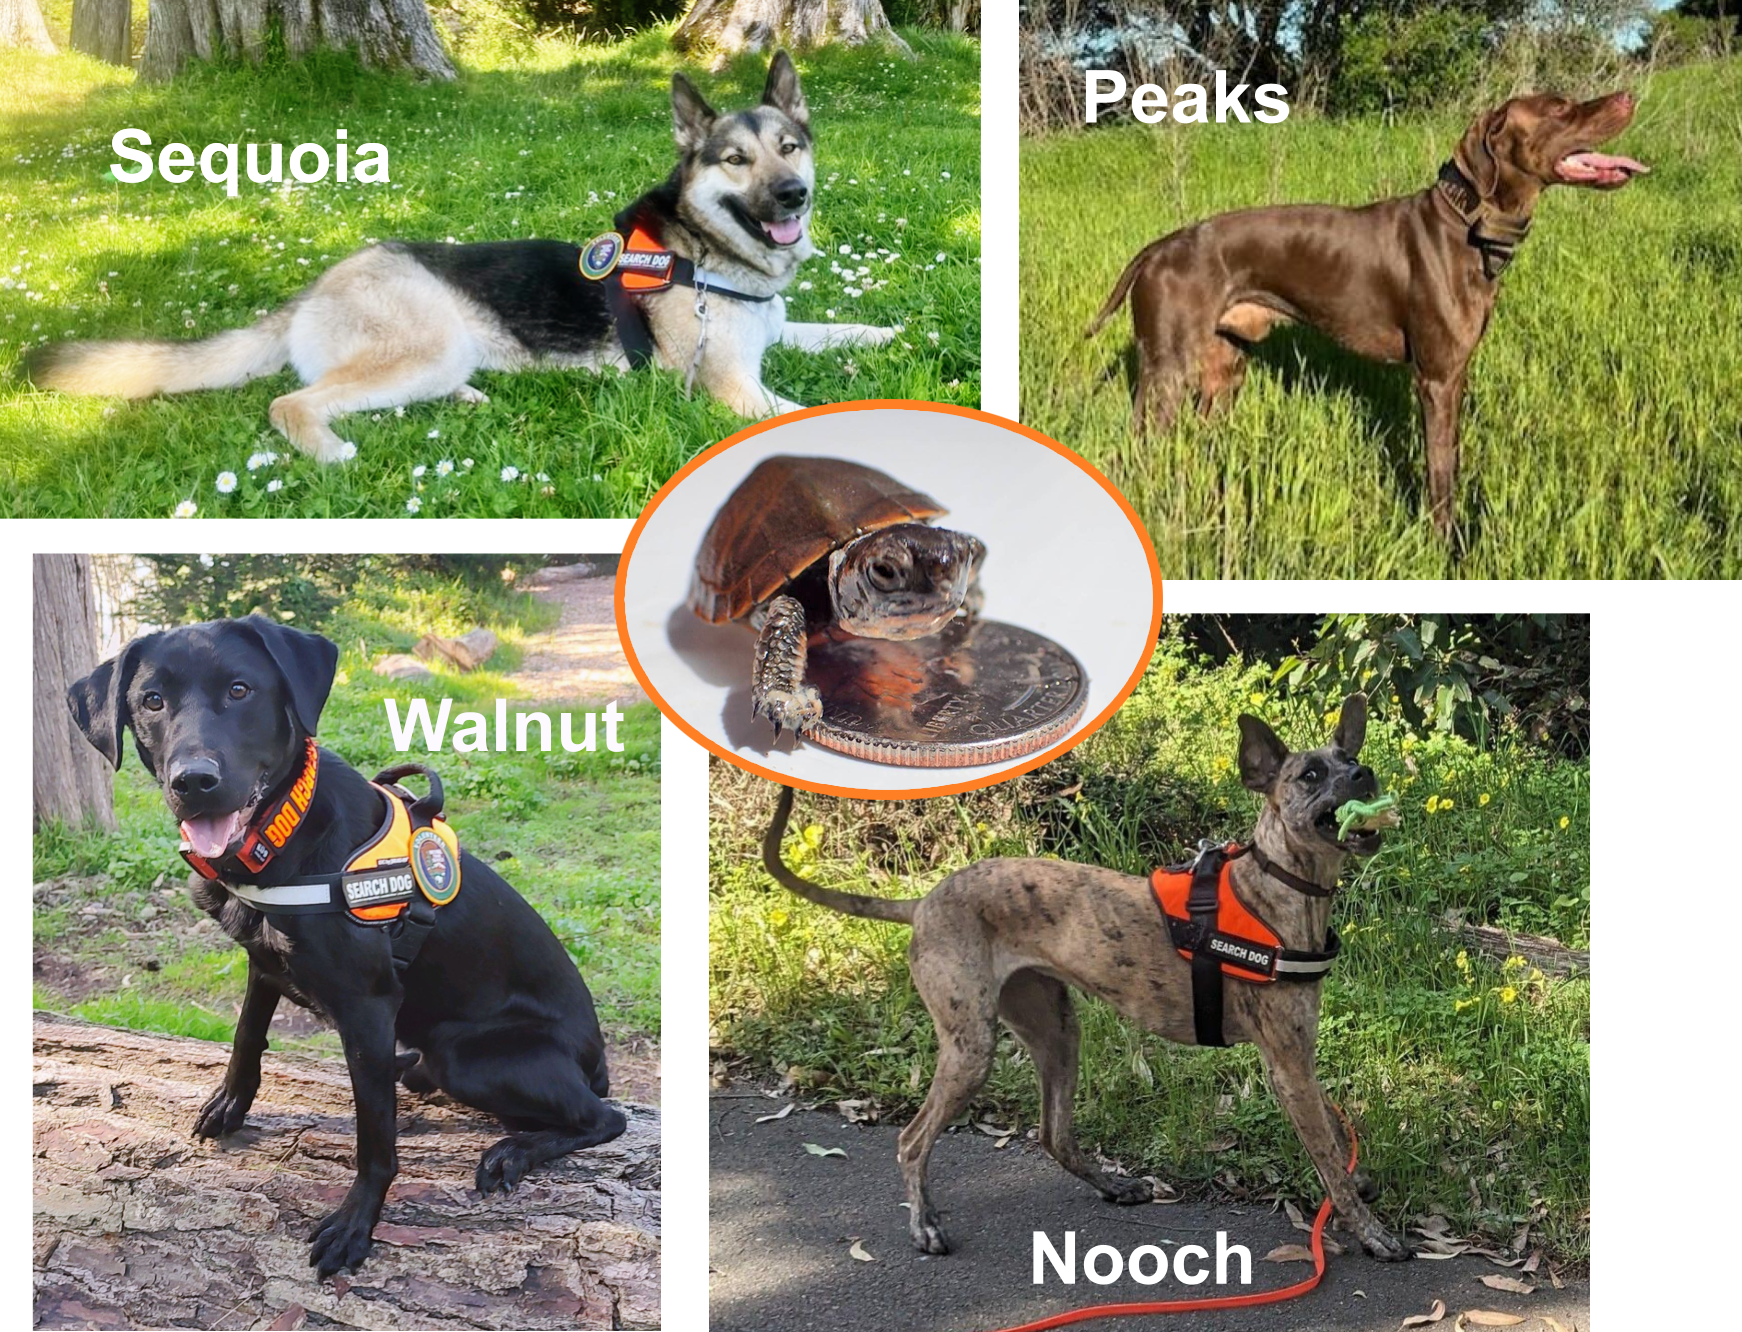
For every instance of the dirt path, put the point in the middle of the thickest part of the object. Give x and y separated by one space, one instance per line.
580 661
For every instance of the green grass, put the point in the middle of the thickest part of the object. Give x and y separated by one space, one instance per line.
548 140
1468 1076
1603 421
576 834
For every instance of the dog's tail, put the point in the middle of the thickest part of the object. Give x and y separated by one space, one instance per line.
141 369
853 904
1121 289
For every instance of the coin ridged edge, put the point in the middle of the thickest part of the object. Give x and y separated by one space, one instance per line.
926 754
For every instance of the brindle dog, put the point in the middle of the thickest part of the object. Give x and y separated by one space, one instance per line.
1007 938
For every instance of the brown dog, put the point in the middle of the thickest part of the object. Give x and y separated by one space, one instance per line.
1410 279
1006 938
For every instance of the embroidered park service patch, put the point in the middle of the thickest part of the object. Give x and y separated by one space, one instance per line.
433 866
600 256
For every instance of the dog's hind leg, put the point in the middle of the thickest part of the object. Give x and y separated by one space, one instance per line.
956 982
535 1086
1040 1011
366 382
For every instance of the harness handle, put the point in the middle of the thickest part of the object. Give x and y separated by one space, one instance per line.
428 806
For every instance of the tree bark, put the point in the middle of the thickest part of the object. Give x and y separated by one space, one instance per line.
70 782
138 1224
387 34
104 28
21 26
732 26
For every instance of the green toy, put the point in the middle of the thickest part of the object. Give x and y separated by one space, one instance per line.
1367 814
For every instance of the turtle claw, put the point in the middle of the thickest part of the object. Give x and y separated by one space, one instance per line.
795 710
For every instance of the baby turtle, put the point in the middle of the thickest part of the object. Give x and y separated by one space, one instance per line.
804 543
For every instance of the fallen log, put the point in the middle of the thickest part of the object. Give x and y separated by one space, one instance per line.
139 1224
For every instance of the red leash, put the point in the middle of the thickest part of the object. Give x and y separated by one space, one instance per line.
1301 1287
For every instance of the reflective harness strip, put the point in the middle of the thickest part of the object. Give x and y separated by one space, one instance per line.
1224 938
396 879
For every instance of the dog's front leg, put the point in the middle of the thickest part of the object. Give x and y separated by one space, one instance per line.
737 382
821 337
1303 1100
227 1107
342 1240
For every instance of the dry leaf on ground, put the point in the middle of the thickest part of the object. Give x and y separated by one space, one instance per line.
1289 1253
1512 1284
1433 1315
858 1251
815 1150
781 1113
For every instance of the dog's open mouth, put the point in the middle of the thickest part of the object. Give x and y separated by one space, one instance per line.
1359 842
1603 170
778 234
211 835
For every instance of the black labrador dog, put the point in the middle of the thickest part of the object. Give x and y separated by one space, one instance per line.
491 1010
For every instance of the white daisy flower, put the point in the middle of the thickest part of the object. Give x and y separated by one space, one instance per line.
186 509
418 471
510 473
274 486
226 482
413 504
347 450
434 434
445 467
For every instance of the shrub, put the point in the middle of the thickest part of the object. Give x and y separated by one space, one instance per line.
1404 62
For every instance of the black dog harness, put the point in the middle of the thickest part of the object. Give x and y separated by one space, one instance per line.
1222 937
395 880
640 266
1496 236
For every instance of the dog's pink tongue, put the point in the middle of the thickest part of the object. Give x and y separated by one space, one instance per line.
1601 164
211 835
784 232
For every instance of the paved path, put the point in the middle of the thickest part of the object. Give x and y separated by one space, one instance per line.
782 1222
580 661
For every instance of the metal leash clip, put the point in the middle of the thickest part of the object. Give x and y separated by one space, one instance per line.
689 382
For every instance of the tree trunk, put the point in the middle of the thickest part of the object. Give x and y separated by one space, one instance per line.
388 34
21 26
70 782
732 26
138 1224
104 28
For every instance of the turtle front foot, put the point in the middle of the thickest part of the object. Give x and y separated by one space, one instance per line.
777 688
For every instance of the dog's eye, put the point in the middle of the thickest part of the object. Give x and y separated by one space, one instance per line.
736 159
788 149
153 700
239 690
1312 773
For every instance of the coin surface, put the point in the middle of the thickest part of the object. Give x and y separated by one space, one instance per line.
980 693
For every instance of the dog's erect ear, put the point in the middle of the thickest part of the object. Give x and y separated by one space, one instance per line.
99 702
782 89
1261 754
306 661
691 116
1476 157
1352 725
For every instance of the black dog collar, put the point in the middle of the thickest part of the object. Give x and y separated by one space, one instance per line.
1496 236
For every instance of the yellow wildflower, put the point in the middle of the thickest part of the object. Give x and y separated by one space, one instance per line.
1446 802
1565 820
1508 994
1433 804
1483 798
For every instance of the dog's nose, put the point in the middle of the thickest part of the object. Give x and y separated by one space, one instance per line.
195 776
792 193
1366 782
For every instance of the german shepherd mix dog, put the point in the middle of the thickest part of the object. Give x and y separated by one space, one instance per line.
407 322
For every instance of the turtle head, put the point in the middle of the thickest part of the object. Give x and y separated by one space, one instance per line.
905 581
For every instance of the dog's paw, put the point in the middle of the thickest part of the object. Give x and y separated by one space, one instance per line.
1386 1247
340 1243
223 1113
472 397
928 1235
1365 1189
502 1166
1128 1192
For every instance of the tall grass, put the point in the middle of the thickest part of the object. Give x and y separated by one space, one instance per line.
1604 416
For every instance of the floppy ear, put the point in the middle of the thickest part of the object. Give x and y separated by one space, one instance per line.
691 116
99 702
1475 155
306 661
783 91
1352 725
1261 754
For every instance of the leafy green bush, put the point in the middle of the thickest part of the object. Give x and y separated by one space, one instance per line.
1408 61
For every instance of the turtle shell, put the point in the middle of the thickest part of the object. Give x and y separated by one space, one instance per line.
784 517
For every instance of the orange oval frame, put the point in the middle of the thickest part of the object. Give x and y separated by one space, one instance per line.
918 793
